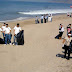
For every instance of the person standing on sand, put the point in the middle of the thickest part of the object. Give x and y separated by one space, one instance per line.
17 29
47 18
3 28
66 42
42 17
61 31
7 34
36 20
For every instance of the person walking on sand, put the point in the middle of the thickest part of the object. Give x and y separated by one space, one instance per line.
61 31
3 28
7 34
66 42
17 29
42 17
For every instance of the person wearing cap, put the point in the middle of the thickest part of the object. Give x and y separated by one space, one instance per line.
3 28
7 33
17 29
66 42
61 31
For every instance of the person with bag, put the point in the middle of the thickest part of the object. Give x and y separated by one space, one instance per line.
17 29
66 43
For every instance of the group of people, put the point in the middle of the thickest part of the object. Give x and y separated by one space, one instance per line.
67 42
6 31
44 18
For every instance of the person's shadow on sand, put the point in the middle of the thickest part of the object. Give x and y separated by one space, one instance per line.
62 56
57 37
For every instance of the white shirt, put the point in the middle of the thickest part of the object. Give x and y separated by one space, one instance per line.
3 28
36 18
68 40
49 18
7 30
45 17
42 17
17 29
62 29
0 29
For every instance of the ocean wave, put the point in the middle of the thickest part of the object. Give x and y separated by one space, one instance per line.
39 12
17 19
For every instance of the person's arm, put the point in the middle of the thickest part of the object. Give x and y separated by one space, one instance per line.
4 33
10 30
2 30
14 32
64 41
20 28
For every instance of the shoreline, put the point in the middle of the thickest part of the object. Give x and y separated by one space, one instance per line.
23 18
32 20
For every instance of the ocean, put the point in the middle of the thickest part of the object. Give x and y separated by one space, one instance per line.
20 10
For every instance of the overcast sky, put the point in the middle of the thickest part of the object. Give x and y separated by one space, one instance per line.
58 1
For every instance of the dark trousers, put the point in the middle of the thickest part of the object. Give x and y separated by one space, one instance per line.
60 34
67 49
41 20
44 20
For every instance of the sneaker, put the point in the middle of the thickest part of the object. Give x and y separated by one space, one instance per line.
13 44
5 44
10 44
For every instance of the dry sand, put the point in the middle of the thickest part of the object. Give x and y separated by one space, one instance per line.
39 51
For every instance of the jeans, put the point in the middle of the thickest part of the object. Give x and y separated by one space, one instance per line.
47 19
41 20
15 40
7 38
3 35
51 19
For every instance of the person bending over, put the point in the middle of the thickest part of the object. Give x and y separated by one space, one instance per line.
61 31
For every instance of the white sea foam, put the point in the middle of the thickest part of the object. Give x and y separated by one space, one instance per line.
56 11
17 19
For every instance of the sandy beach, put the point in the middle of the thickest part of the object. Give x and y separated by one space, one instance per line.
38 54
